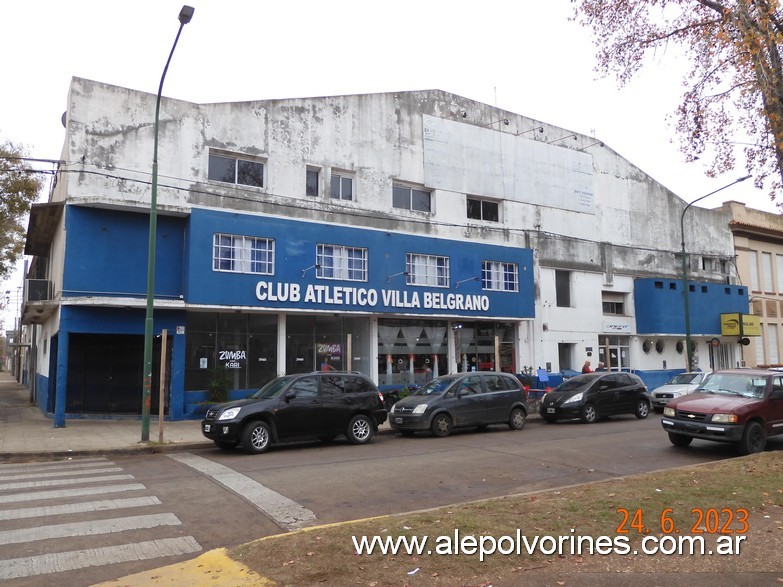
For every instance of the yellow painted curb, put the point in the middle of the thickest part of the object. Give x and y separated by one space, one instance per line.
213 568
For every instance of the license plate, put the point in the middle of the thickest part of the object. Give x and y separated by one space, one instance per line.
550 410
206 427
398 420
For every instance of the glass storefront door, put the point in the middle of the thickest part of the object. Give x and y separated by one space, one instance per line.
327 343
613 352
413 351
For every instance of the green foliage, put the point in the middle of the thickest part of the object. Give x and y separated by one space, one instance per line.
19 188
219 384
526 376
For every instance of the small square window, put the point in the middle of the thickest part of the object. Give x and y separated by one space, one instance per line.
342 187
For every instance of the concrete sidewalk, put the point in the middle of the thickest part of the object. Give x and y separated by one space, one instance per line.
26 432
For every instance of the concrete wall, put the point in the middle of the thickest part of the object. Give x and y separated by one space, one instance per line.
579 205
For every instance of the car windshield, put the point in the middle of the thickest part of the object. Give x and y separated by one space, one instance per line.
683 378
273 388
578 382
435 387
735 384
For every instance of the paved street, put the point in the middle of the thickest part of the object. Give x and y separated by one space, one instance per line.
88 509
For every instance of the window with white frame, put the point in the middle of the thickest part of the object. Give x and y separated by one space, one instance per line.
499 276
779 272
766 265
759 343
243 254
342 186
483 210
431 270
409 198
772 343
236 170
338 262
754 270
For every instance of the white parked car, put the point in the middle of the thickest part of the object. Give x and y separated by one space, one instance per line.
679 385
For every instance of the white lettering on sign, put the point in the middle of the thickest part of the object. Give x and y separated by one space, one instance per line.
338 295
277 292
232 355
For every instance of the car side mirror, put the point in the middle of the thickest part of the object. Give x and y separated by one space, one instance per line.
603 388
289 396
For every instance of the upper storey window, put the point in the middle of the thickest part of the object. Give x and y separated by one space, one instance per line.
408 198
483 210
236 170
342 186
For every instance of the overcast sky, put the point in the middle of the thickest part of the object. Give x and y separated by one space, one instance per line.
523 56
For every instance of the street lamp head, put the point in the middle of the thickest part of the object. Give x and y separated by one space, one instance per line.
186 14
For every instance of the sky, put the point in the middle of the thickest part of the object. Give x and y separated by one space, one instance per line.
525 56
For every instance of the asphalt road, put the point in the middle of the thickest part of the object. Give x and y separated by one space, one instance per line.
174 506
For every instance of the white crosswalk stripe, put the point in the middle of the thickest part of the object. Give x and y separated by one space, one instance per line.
73 508
80 559
60 493
47 508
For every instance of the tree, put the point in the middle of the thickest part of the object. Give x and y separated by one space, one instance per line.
19 187
733 90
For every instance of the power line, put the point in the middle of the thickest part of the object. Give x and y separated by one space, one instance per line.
295 206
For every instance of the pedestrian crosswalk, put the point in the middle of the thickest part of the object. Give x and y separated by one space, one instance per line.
63 516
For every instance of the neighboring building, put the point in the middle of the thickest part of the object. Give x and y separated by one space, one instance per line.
758 241
399 234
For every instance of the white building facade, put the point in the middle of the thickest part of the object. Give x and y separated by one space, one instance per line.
404 235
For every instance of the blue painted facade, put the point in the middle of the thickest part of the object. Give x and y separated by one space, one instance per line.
660 308
106 253
107 259
295 251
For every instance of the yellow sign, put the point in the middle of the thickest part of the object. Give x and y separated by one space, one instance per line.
737 324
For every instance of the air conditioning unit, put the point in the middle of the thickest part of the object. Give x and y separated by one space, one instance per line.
37 290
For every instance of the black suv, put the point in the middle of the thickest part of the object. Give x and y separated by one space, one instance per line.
592 396
322 405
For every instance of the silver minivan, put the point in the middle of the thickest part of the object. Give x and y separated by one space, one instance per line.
461 400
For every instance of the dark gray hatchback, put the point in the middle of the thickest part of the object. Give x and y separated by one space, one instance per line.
462 400
321 405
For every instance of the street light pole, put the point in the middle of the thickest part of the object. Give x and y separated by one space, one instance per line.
184 18
685 292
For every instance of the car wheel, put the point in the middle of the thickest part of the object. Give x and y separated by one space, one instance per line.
516 420
753 440
360 429
642 409
549 419
441 425
256 437
680 439
589 415
225 445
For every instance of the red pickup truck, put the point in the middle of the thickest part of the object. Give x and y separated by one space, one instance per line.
739 406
